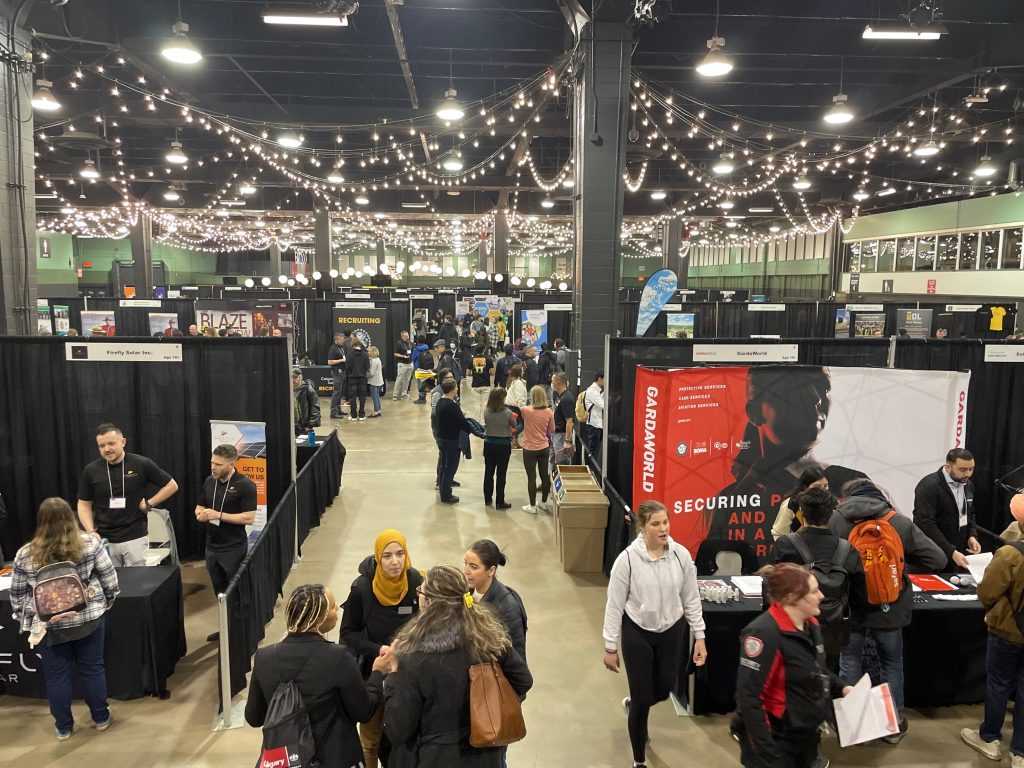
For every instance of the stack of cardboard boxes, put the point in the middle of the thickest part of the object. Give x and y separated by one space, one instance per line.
581 516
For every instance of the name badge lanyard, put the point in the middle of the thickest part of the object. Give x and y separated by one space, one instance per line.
224 497
110 482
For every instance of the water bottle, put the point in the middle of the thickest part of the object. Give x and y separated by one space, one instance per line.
310 438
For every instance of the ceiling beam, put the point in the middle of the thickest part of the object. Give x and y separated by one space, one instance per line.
403 55
255 82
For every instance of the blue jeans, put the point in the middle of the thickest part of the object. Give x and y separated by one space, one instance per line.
890 657
375 397
450 456
57 659
1004 670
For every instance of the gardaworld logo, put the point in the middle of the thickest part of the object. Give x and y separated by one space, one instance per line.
961 408
649 444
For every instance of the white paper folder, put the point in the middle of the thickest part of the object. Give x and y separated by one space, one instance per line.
866 713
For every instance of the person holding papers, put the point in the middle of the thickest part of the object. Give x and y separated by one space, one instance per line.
784 691
1001 591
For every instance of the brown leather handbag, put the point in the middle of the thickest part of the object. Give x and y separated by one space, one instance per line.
495 714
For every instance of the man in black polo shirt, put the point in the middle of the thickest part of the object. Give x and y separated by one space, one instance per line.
228 503
112 497
336 359
565 411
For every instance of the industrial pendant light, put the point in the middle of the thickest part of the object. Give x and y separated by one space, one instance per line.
452 162
986 168
715 63
43 98
179 48
450 110
290 139
840 112
723 165
801 182
89 171
928 149
176 154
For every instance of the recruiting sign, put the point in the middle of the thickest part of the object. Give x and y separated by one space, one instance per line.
250 440
245 318
722 447
370 326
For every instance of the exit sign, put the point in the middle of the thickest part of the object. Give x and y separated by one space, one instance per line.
86 265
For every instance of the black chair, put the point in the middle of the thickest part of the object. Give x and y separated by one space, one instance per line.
709 562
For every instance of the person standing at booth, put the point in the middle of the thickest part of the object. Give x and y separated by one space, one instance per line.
403 356
112 497
70 637
944 508
227 503
651 593
336 359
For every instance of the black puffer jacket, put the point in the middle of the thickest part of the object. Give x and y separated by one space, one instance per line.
502 600
366 624
357 364
307 408
918 551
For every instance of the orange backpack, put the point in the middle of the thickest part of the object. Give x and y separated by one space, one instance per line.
881 552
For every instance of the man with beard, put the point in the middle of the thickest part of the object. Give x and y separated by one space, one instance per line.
944 508
787 407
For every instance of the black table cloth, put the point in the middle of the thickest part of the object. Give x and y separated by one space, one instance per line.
145 637
943 654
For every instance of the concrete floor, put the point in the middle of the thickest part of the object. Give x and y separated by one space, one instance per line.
573 714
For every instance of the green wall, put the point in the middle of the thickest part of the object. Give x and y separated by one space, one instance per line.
973 213
59 269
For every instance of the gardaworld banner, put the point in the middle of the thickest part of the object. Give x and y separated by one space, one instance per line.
722 447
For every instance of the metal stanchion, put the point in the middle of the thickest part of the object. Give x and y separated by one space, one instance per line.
295 538
226 718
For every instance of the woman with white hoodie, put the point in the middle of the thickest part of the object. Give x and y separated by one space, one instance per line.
653 589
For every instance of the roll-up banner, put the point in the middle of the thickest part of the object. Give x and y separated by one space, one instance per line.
370 325
721 447
250 440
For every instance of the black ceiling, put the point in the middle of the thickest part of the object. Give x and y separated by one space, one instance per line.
788 60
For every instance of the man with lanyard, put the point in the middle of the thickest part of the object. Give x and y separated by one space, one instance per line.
227 502
403 356
944 508
336 359
112 497
562 446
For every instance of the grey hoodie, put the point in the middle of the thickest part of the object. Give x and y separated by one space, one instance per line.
919 552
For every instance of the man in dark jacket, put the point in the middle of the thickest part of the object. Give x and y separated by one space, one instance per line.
336 359
307 403
357 369
502 365
547 365
531 371
864 501
449 332
944 508
817 506
450 422
1001 591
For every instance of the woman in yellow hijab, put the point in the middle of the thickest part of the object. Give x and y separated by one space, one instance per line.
382 599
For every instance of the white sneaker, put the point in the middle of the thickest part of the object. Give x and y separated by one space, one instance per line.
529 509
989 749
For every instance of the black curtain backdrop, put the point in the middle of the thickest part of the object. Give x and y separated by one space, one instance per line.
130 321
50 409
317 484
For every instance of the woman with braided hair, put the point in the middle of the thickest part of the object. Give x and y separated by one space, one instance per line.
426 703
327 676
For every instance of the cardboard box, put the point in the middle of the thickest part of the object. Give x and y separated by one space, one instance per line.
582 550
576 512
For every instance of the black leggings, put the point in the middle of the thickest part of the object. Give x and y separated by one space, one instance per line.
652 667
534 460
496 456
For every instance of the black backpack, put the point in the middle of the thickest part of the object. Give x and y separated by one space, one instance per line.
287 734
426 360
833 579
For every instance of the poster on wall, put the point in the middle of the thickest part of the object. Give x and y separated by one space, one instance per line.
533 326
250 440
722 447
98 323
680 323
163 323
61 319
869 324
842 323
44 324
370 326
660 287
917 323
245 318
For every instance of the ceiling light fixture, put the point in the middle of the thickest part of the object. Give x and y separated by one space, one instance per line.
282 279
245 188
726 205
760 210
88 170
715 63
334 273
986 169
43 98
547 202
530 282
801 182
886 191
265 282
290 139
568 183
659 194
335 177
362 200
928 149
250 283
171 195
723 165
774 228
176 154
895 30
840 112
563 286
860 195
515 280
452 162
450 110
465 273
301 19
179 48
317 275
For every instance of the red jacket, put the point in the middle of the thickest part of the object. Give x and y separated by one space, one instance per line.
783 687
